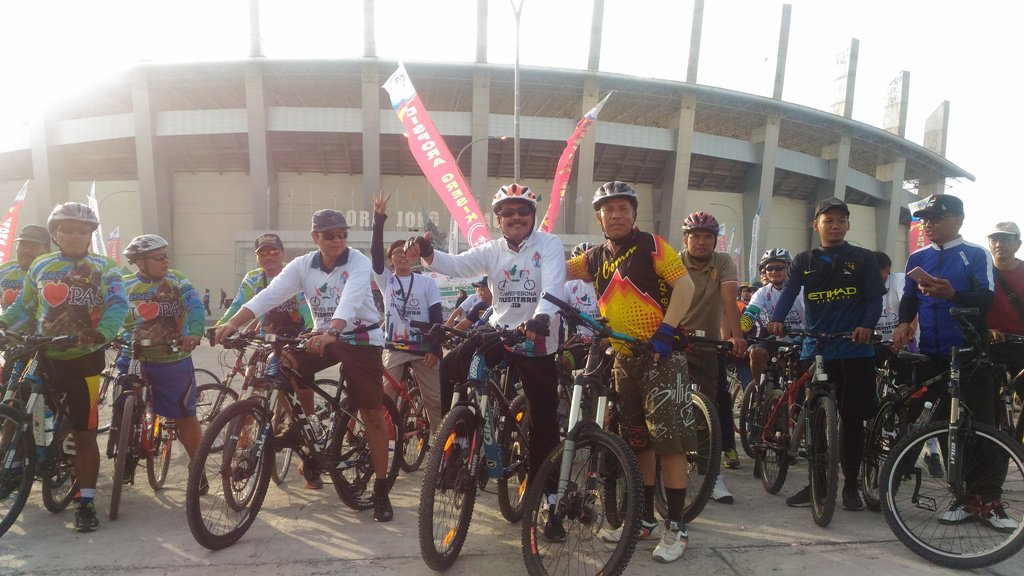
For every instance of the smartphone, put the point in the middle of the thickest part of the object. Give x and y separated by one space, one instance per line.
918 274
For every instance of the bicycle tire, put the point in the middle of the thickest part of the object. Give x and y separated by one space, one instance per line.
282 456
353 484
415 432
823 460
773 448
58 483
1019 429
703 465
218 518
158 461
514 442
906 503
448 483
121 460
582 511
211 400
885 430
748 413
18 437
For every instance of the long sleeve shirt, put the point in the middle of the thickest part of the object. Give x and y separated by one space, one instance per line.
291 316
163 311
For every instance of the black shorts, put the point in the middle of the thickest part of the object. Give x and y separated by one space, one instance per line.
78 380
362 371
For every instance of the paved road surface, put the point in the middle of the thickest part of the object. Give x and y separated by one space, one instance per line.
305 532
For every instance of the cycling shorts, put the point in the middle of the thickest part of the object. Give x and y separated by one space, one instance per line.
655 404
173 386
79 380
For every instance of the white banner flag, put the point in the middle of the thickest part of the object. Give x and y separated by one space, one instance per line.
98 240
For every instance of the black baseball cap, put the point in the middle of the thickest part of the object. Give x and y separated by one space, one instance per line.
327 219
829 204
940 205
482 283
272 240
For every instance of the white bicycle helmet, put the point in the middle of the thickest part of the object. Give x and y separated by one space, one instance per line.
141 245
71 212
513 191
780 254
615 189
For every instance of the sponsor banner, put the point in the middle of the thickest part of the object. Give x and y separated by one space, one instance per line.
97 235
755 246
915 236
564 169
9 225
435 160
114 245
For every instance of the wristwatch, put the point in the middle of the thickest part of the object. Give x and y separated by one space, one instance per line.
334 332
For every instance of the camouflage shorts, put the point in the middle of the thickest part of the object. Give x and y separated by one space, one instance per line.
655 404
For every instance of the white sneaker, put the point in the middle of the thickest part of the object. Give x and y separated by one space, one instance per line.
998 520
957 514
721 494
673 543
647 532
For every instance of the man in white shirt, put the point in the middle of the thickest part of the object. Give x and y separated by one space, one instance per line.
774 265
894 282
336 283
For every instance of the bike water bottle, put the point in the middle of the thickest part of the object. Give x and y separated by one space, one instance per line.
926 415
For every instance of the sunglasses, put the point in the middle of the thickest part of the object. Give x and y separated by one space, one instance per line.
774 268
510 212
934 219
332 236
158 257
268 252
75 230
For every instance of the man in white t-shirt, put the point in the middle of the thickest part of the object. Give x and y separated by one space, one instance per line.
467 305
774 266
894 282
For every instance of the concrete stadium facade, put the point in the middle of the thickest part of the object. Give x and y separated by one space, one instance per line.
209 155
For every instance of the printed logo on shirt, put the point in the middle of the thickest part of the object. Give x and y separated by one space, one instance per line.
833 295
536 259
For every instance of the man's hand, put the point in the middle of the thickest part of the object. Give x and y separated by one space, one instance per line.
739 346
903 334
91 337
937 288
380 203
661 342
190 342
430 360
777 329
223 331
419 247
538 327
996 336
319 342
862 335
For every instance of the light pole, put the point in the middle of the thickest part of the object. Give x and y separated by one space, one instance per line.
518 10
468 146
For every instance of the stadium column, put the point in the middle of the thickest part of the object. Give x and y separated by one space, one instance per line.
887 212
154 177
371 108
262 183
760 187
480 131
49 182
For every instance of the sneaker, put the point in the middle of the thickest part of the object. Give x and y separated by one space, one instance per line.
673 543
957 514
852 500
382 511
554 531
732 459
997 519
85 518
934 463
290 438
651 531
801 499
720 493
314 483
12 483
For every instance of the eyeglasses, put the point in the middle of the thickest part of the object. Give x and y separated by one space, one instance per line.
268 252
158 257
934 219
774 268
75 230
332 236
617 210
521 211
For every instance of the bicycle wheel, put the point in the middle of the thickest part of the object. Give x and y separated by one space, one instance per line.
748 413
158 461
17 447
514 442
282 456
773 447
703 464
823 460
927 516
58 471
886 429
238 475
348 458
122 461
211 400
581 511
449 490
415 432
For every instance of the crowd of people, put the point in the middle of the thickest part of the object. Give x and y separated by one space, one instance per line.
642 285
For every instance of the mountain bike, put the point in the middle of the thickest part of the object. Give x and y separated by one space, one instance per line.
35 434
413 414
590 482
972 516
236 453
783 365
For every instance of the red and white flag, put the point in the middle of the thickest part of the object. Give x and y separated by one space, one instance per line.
114 245
9 225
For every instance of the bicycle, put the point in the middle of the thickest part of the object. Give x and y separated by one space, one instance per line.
474 433
784 420
972 516
35 435
782 366
1010 417
590 481
413 414
236 451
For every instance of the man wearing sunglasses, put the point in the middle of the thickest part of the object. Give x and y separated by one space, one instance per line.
775 264
336 282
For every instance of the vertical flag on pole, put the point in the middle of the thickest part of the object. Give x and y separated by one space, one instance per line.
564 169
114 245
755 246
97 235
916 238
9 224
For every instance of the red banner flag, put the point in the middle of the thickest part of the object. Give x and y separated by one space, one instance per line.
915 237
9 224
434 158
114 245
564 170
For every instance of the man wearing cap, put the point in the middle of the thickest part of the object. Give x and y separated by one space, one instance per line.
336 282
32 242
468 304
481 311
843 291
1007 313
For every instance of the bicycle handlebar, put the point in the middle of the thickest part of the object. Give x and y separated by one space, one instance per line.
35 340
599 326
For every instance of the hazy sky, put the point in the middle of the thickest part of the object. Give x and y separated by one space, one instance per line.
964 52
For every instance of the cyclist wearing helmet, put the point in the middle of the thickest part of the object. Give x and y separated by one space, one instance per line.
73 292
775 264
520 265
581 295
645 289
715 281
32 242
165 309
